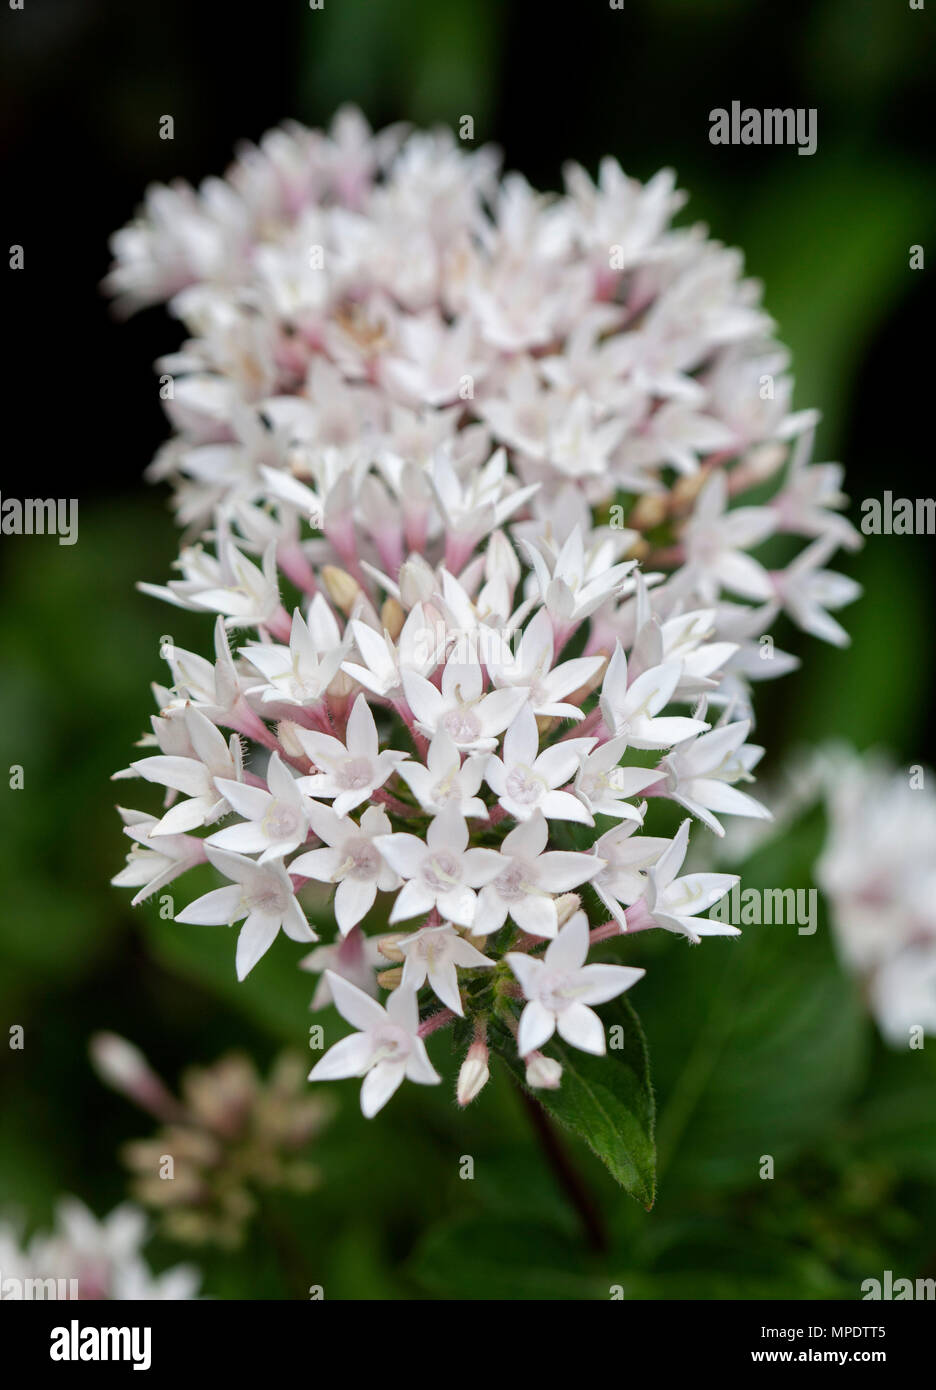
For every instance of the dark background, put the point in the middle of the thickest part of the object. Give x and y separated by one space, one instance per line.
84 86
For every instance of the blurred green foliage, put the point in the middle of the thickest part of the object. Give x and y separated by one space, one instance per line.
758 1046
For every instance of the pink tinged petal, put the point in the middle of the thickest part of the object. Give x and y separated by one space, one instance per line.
560 762
183 774
320 864
295 925
353 900
379 1085
670 861
481 866
218 908
521 741
362 731
528 839
246 838
255 938
582 1028
444 981
526 968
360 1010
490 912
537 1026
458 905
565 806
404 853
418 1066
423 699
349 1057
558 870
696 892
567 953
534 914
719 796
413 898
403 1008
606 982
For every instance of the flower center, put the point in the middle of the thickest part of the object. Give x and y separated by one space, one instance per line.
524 786
355 773
281 821
462 725
442 870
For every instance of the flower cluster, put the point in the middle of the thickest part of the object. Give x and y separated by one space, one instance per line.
226 1140
88 1259
462 469
878 871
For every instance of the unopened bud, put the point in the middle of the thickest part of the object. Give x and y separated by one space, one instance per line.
388 948
123 1066
474 1073
286 733
417 581
542 1073
342 587
649 511
390 979
392 616
566 906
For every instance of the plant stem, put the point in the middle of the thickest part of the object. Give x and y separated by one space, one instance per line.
566 1174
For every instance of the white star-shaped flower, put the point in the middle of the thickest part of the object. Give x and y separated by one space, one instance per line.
470 718
441 871
352 770
386 1048
525 781
349 858
529 877
261 893
561 987
632 710
276 821
445 780
435 953
674 903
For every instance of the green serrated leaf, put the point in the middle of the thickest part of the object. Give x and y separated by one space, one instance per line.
607 1101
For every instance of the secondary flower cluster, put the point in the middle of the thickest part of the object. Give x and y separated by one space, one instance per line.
878 871
228 1138
459 465
88 1259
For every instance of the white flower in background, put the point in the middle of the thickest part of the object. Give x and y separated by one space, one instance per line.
530 877
807 592
103 1258
717 540
260 893
354 957
502 482
877 871
560 987
354 770
441 872
526 781
351 859
674 903
386 1048
434 954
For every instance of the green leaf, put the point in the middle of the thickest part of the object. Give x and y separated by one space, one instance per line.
607 1101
